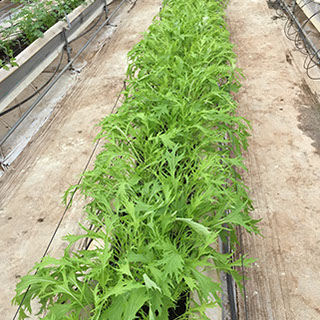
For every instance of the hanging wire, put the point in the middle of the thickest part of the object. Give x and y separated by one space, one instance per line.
287 30
68 207
315 64
299 36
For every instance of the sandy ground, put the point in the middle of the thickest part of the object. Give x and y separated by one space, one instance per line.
31 190
284 166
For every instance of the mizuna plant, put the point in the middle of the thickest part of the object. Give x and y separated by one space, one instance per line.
164 188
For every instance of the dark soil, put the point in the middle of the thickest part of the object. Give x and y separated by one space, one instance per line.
179 310
17 47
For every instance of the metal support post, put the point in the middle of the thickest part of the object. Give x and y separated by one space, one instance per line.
67 47
106 9
68 21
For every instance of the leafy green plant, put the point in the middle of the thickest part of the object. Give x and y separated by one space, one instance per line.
29 23
163 188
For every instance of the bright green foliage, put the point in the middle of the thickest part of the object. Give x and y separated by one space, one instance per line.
30 22
164 187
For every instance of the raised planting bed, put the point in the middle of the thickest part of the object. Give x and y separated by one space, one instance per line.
40 53
164 187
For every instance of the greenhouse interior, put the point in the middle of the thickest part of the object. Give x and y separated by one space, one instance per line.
160 159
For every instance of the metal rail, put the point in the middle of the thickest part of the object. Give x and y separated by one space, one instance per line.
67 67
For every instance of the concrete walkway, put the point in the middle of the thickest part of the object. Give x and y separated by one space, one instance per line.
284 166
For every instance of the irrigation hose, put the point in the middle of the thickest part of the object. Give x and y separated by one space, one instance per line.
87 31
314 65
224 248
92 27
38 90
288 28
302 27
241 247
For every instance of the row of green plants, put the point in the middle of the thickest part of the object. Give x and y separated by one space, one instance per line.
28 23
163 189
